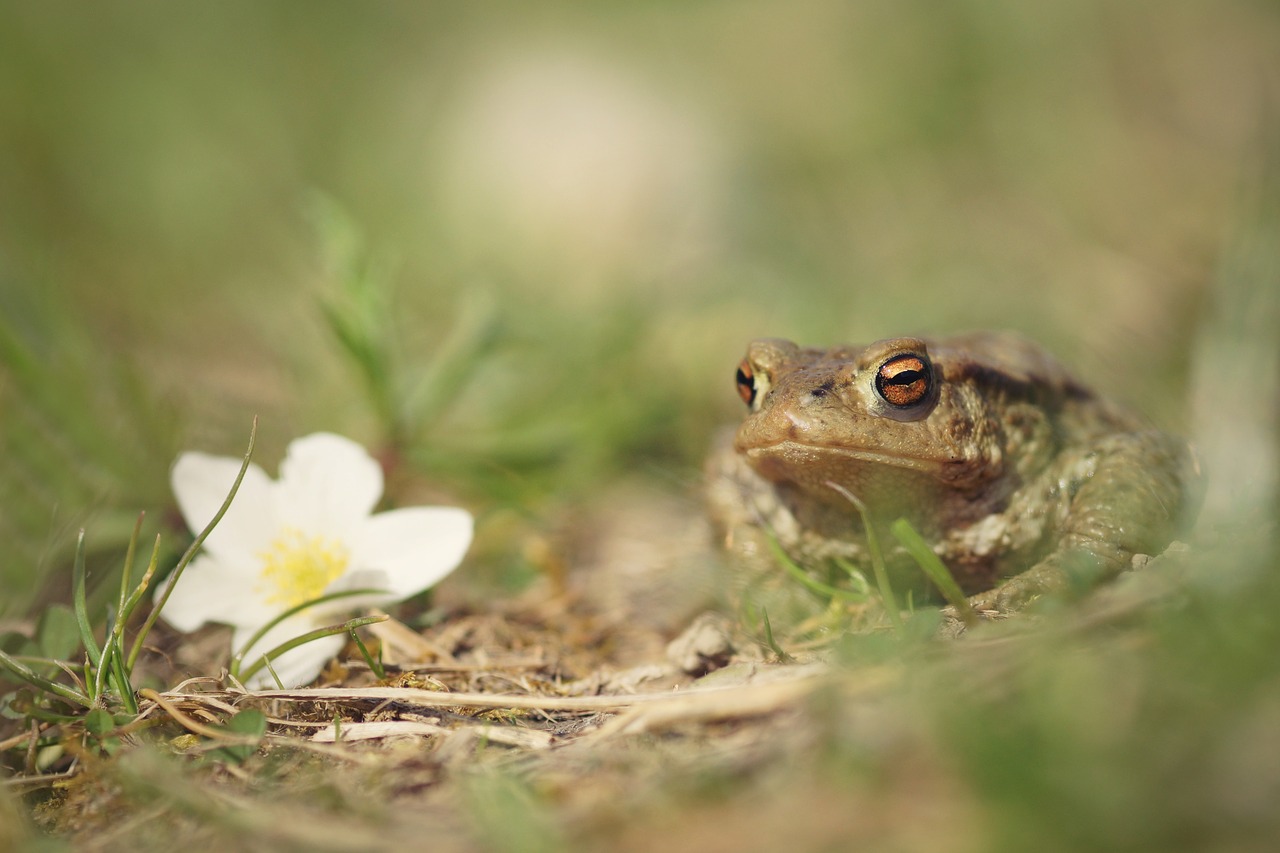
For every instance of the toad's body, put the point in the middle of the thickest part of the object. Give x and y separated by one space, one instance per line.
992 451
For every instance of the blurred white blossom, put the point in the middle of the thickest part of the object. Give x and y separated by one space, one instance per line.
568 162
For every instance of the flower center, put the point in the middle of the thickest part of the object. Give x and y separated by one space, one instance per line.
296 568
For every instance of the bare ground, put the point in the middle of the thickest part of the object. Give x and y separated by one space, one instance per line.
560 718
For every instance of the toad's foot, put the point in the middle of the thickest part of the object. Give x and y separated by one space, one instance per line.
1063 574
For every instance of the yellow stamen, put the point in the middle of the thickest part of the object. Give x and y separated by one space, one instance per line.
297 569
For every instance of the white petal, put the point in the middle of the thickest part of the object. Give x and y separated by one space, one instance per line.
373 579
200 484
214 591
328 485
413 547
295 667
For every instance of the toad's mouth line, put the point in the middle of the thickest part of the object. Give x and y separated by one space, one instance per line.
787 448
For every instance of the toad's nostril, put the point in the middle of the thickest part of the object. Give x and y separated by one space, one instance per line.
823 390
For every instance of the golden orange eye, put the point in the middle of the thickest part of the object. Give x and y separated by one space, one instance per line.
904 380
746 383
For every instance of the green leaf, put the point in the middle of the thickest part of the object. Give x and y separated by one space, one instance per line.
251 723
57 633
98 722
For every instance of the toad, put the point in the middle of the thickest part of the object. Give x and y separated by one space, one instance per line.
1020 478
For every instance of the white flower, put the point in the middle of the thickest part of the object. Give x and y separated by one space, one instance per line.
309 533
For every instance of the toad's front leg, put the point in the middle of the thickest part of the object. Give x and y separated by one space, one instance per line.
1127 497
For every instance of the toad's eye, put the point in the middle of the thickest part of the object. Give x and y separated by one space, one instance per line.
746 383
750 384
904 380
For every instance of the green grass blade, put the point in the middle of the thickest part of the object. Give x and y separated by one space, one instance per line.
802 577
375 666
933 567
104 660
476 329
113 643
303 639
190 553
78 602
31 677
275 676
771 642
130 553
877 556
131 603
238 657
123 684
861 588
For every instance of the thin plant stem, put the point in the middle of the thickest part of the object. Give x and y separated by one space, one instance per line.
275 676
308 637
238 658
190 553
375 665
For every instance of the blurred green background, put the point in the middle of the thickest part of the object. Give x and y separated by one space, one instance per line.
580 215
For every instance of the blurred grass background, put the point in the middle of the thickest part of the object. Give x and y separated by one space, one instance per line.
582 214
633 191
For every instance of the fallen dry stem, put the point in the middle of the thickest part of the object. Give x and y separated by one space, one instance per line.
18 739
641 712
436 699
753 700
194 726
